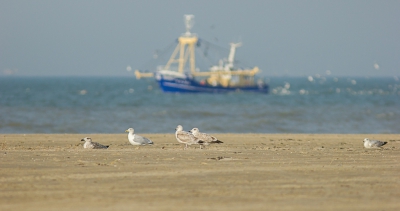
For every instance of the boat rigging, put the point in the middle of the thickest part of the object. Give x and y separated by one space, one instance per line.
181 75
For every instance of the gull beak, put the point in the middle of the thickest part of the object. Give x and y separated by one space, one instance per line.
82 140
126 131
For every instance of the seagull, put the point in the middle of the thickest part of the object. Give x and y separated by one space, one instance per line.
206 138
92 145
373 143
186 137
136 139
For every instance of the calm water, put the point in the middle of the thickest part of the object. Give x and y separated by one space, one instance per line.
111 105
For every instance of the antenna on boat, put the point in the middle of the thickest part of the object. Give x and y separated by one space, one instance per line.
189 22
232 52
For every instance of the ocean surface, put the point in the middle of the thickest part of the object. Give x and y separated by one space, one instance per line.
87 105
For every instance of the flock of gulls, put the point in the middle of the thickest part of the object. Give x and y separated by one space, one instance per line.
194 136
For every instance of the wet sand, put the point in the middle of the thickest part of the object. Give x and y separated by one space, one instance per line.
246 172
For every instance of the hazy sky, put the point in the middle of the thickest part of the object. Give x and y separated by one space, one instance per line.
93 37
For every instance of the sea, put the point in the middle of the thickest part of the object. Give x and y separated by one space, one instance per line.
93 105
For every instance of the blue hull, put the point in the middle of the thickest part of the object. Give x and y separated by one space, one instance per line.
190 85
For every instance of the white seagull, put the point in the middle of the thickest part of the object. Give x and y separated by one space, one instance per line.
206 138
92 145
136 139
186 137
373 143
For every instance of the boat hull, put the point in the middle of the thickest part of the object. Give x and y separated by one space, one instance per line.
190 85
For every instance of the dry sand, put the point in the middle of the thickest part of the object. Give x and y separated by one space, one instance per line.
246 172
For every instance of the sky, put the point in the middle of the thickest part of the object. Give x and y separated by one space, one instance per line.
282 38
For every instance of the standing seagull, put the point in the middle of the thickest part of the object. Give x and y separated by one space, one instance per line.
92 145
186 137
373 143
136 139
206 138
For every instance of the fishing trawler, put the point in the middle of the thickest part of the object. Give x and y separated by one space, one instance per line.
181 75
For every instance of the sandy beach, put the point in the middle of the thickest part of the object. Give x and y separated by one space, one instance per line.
246 172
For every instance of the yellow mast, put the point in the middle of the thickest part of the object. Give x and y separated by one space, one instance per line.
185 51
186 47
